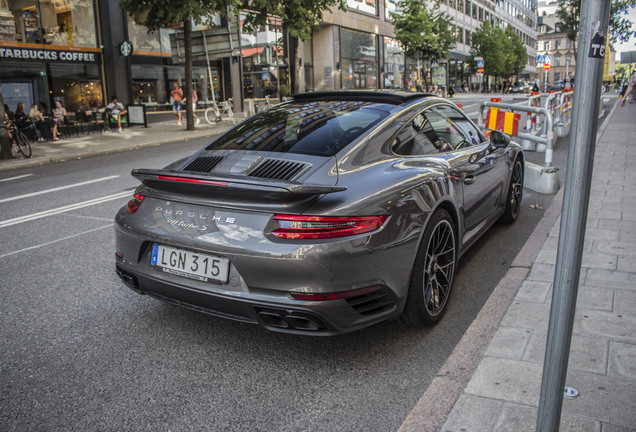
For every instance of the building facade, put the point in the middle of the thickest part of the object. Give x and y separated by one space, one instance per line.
82 52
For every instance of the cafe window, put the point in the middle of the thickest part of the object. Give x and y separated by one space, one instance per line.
76 85
51 22
359 65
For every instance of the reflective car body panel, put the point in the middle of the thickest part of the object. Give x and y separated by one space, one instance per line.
320 157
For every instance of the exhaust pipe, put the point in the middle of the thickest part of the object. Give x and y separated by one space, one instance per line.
128 279
290 320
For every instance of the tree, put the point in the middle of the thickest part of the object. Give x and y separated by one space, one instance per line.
420 31
165 13
504 52
517 57
299 18
620 27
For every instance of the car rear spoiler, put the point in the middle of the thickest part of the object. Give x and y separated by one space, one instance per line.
234 188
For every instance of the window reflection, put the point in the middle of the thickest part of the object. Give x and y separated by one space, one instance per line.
393 63
51 22
317 128
368 6
359 60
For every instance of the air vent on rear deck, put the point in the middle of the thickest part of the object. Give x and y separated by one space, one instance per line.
203 164
278 169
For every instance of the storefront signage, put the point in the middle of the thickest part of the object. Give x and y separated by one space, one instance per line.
50 55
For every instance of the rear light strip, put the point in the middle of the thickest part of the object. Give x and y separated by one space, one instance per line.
333 296
191 180
318 227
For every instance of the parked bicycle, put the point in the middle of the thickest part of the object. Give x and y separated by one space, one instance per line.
19 141
267 105
215 113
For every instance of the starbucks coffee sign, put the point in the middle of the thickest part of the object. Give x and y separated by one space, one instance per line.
47 55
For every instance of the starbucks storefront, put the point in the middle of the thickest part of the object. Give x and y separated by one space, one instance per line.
41 76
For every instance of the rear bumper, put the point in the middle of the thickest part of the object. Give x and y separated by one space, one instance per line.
274 311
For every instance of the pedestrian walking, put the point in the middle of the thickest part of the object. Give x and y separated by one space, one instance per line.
630 88
177 98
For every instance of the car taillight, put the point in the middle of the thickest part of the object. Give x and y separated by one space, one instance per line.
133 204
333 296
318 227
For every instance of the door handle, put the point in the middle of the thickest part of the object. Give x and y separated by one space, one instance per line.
469 179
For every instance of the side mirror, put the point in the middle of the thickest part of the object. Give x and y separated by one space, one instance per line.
499 139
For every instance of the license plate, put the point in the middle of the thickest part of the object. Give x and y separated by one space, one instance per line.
190 264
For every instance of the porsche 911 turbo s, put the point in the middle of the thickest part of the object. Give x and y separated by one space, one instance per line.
326 214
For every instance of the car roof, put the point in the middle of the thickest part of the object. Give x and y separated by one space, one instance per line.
392 97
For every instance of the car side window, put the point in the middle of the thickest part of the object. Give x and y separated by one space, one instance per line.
452 127
413 139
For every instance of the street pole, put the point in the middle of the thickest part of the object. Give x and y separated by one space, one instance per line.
589 72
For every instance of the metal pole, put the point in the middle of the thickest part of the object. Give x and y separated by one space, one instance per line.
589 72
207 61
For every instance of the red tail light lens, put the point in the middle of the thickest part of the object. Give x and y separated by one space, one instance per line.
133 204
334 296
319 227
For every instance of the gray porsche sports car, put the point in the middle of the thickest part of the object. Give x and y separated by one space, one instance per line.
323 215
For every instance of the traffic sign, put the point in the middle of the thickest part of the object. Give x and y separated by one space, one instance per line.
480 64
546 66
434 64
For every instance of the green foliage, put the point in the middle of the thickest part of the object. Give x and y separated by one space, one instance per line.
620 27
504 52
517 57
283 90
299 16
418 29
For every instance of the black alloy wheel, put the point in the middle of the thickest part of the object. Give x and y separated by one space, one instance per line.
515 194
432 278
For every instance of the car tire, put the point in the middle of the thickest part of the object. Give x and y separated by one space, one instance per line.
515 194
433 272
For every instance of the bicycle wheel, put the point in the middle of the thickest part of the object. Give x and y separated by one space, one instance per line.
23 144
212 116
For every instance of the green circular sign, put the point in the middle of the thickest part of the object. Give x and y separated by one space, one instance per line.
126 48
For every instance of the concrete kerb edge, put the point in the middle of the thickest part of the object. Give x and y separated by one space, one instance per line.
431 411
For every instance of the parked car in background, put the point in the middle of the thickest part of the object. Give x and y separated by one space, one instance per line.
323 215
521 87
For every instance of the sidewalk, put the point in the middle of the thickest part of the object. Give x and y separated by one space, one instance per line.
492 380
131 138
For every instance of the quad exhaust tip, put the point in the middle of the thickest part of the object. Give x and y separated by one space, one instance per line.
290 320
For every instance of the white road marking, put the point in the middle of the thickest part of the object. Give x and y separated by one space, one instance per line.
52 212
15 178
55 241
57 189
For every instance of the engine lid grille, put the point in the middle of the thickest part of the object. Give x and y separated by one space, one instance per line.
278 169
203 164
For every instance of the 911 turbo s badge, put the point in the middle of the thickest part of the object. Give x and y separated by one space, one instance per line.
201 218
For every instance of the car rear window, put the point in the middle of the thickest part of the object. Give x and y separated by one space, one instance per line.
313 128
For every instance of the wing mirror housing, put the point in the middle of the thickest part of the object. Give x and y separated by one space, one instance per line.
499 139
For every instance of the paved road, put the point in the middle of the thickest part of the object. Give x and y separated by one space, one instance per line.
79 351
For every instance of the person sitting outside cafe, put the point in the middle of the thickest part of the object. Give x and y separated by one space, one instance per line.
48 126
117 110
